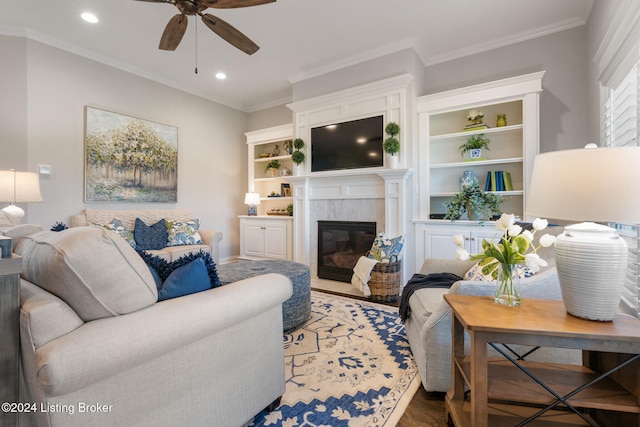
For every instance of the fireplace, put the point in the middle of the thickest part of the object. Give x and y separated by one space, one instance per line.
340 245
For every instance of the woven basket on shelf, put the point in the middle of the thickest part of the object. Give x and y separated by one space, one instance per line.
385 281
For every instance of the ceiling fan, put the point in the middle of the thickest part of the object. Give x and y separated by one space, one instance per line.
177 25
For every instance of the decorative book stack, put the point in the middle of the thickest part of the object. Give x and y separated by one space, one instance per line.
498 181
475 126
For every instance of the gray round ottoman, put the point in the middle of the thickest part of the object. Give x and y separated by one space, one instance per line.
297 309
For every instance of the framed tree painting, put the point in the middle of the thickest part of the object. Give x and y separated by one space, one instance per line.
128 159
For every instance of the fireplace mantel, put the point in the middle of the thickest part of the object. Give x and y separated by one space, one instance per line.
367 188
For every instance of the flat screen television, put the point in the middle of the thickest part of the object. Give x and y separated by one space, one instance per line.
349 145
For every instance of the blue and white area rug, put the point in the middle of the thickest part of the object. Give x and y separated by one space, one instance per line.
350 365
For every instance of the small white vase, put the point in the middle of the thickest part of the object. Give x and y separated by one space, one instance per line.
392 161
299 169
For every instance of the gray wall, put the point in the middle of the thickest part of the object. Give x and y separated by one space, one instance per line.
45 113
402 62
563 103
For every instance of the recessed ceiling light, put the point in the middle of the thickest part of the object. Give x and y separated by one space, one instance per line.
361 140
89 17
220 75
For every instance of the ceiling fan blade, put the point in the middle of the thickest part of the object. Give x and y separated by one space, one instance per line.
160 1
232 4
230 34
173 32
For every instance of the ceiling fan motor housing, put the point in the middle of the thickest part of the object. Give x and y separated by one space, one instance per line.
189 7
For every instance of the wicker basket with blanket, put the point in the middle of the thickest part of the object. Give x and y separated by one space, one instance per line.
385 281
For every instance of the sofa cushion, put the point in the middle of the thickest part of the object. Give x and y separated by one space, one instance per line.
172 253
149 237
94 271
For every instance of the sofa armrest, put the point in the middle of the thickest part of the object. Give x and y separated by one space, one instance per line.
105 347
212 239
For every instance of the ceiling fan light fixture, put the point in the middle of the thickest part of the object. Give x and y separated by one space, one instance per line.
89 17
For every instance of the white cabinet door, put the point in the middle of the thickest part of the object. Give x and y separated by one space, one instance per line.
438 241
253 239
275 241
266 238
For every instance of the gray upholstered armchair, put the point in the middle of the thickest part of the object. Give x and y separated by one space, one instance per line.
428 326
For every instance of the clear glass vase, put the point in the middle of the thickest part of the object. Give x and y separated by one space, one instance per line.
507 285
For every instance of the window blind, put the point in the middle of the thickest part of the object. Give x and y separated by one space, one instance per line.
620 117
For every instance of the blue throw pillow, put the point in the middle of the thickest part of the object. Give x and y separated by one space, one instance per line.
188 279
150 237
162 270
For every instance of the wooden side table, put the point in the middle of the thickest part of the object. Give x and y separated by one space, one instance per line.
10 269
508 392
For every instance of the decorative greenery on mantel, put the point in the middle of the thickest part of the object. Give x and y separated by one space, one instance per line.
391 145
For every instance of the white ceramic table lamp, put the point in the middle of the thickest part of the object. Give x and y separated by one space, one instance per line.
19 187
253 200
593 184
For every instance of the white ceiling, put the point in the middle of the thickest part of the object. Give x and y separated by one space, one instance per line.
298 38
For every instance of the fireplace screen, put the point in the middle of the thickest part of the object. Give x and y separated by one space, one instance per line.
340 245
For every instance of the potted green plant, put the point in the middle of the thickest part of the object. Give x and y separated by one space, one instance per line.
272 166
298 156
391 145
479 205
473 147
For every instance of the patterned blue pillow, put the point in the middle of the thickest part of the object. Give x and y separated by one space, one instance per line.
116 226
183 233
489 272
384 248
150 237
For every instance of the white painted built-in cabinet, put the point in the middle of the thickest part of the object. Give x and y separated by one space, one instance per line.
442 119
266 238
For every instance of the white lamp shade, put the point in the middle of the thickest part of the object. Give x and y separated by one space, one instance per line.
252 199
592 184
19 187
595 184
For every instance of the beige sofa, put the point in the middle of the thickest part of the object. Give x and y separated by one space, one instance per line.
97 349
428 326
211 239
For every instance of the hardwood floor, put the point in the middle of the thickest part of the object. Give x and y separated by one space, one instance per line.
426 409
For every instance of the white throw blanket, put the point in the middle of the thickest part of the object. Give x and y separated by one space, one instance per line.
362 274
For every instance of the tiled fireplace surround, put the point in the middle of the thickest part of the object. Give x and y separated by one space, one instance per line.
373 194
